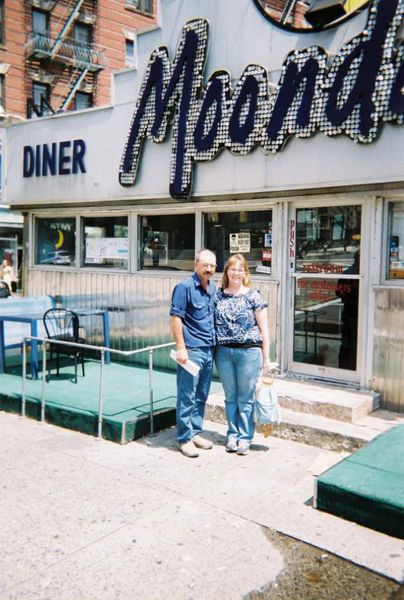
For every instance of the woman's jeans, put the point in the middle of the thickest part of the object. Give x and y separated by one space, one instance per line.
192 393
239 369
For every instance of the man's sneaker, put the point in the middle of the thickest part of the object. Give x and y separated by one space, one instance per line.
200 442
243 448
188 449
232 445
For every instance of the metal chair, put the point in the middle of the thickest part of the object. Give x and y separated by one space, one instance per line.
62 324
4 290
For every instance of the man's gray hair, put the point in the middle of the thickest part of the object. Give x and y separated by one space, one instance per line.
198 254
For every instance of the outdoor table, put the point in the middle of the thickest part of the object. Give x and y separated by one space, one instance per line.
33 319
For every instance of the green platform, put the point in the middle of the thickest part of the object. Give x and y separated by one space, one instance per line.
75 406
368 487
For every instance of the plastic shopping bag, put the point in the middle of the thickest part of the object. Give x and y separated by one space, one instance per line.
267 409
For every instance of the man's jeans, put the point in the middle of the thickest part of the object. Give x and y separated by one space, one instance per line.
239 369
192 393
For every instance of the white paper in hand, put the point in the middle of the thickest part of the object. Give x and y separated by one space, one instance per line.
189 366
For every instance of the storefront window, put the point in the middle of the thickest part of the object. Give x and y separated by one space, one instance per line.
327 239
395 263
55 241
167 242
105 242
247 233
326 321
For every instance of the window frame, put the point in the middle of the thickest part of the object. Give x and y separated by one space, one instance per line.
130 60
47 88
80 238
79 26
34 237
139 6
36 11
135 235
264 207
139 214
3 91
386 234
82 95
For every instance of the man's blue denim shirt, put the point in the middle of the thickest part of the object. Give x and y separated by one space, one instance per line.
196 307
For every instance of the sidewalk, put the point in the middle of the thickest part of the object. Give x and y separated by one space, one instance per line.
83 519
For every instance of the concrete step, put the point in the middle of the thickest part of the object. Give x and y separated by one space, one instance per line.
338 403
318 430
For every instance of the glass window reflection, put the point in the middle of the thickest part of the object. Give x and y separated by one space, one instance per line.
55 241
245 232
327 238
396 241
326 322
167 242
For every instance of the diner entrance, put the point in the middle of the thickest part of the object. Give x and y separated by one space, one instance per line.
325 288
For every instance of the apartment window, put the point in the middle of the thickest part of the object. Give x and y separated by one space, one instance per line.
167 242
83 33
130 58
145 6
82 100
395 263
2 92
2 22
39 91
55 241
40 22
248 233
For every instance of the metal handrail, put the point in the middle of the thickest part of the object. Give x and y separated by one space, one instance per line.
103 350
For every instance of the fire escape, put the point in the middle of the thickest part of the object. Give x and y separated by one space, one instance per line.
82 59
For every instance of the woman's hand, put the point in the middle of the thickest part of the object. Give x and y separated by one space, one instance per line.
266 364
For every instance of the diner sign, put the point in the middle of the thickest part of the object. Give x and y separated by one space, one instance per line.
352 94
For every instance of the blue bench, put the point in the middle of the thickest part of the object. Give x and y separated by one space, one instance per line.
21 317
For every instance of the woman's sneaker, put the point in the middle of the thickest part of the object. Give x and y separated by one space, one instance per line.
243 448
232 445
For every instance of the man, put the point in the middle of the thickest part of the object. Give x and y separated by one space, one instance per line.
192 327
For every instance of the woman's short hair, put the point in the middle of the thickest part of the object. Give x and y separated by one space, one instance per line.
230 263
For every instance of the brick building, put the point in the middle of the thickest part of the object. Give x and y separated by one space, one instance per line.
58 56
64 52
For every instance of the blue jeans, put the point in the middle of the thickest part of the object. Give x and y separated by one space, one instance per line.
239 369
192 393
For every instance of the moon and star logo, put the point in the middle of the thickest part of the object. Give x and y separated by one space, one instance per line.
305 16
60 240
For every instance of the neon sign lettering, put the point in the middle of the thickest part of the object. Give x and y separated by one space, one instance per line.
360 90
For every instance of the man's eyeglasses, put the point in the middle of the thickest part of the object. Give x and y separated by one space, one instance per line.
208 265
236 270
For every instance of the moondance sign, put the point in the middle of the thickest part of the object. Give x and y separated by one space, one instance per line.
362 88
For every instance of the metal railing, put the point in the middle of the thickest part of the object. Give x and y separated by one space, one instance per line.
102 350
68 51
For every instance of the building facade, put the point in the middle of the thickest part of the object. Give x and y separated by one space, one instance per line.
59 56
238 135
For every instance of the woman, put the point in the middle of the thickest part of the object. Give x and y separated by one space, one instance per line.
243 349
7 273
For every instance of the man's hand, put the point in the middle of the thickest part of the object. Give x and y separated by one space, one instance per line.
182 355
